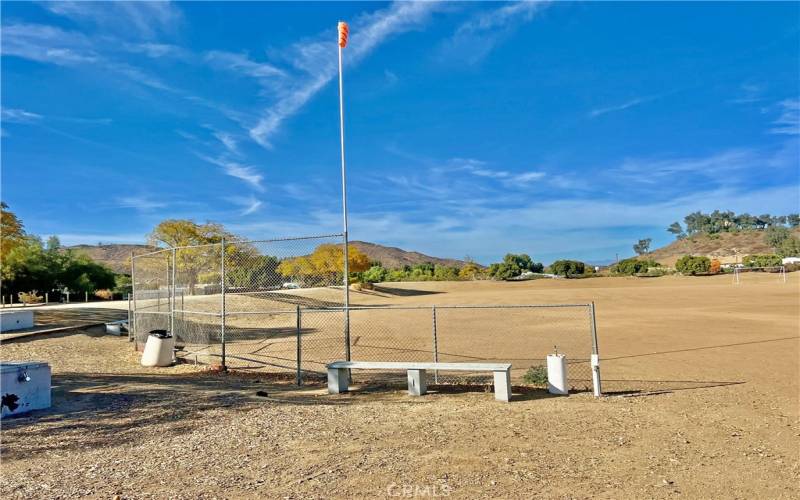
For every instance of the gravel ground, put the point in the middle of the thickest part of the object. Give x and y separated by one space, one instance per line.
119 430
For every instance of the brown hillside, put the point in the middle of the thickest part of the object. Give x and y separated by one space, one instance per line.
117 257
727 247
392 257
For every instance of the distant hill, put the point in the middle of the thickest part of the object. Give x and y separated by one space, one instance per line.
117 257
727 247
392 257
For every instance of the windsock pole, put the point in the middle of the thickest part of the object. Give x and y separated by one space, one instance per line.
343 32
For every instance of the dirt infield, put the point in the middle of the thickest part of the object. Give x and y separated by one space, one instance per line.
701 377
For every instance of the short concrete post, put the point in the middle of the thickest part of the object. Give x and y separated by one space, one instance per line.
337 380
46 298
417 383
86 296
67 296
502 385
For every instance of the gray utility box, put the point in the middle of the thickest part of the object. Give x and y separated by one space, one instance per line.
25 386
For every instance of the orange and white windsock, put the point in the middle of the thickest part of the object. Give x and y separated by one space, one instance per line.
344 30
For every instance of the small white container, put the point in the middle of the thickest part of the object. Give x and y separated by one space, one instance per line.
26 386
159 349
557 374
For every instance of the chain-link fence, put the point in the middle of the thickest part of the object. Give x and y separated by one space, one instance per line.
278 306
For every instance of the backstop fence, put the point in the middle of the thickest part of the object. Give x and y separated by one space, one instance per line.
278 306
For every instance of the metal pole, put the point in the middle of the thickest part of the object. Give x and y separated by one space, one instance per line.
595 362
172 301
132 324
222 318
435 347
299 349
344 218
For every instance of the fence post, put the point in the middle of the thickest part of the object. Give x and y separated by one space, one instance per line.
222 317
171 292
130 319
12 299
595 354
46 298
435 347
132 322
86 296
299 349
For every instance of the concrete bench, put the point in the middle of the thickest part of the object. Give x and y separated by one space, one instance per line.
338 377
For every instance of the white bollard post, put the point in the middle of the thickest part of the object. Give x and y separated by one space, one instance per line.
46 298
557 374
596 375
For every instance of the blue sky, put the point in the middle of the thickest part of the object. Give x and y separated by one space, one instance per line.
556 129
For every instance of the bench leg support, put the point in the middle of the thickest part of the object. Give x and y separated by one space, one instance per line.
337 380
502 386
417 383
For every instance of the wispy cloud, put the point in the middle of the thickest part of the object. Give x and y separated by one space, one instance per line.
241 63
621 107
246 173
249 204
20 116
481 169
478 36
748 93
141 203
51 45
147 19
315 61
788 123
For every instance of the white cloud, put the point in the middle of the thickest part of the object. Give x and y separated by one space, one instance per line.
19 116
140 203
478 36
316 61
240 63
47 44
789 121
228 140
249 205
246 173
144 18
620 107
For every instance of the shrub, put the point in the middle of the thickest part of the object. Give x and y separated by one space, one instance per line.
567 267
104 294
691 265
536 375
716 267
375 274
767 260
31 297
632 266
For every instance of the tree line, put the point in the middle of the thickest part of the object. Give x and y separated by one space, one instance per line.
728 221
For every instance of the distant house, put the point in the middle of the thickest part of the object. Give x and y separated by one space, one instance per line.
790 260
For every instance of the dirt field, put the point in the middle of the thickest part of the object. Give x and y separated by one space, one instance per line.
701 377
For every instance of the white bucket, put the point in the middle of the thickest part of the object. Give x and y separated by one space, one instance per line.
159 349
557 374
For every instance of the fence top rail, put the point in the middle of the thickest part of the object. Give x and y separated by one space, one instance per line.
232 242
450 306
151 253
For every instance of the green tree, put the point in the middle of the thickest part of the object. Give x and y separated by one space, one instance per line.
643 246
567 267
763 260
790 247
776 235
376 274
693 265
793 220
676 229
633 265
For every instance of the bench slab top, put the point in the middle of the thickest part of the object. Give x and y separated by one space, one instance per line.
413 365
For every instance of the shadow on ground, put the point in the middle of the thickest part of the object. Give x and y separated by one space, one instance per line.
97 410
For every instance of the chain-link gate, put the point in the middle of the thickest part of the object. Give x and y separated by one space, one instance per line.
277 306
